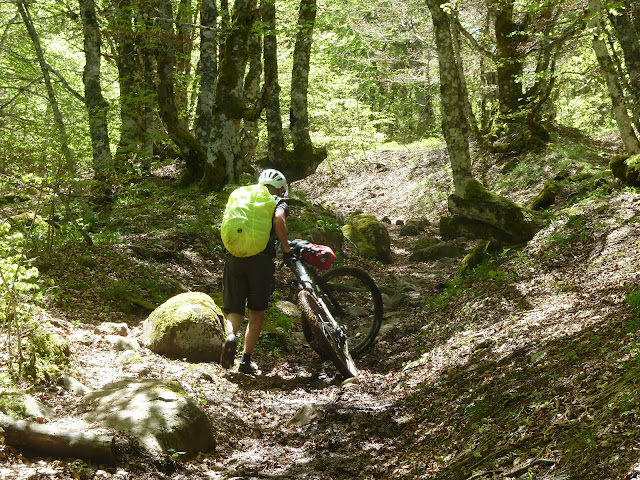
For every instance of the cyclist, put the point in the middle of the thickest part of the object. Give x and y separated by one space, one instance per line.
250 281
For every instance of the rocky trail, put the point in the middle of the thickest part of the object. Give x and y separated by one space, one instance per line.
527 369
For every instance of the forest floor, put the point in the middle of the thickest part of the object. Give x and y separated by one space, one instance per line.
527 368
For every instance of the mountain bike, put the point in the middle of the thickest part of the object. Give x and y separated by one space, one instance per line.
341 309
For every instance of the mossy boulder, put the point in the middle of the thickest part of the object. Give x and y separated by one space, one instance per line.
461 227
513 223
370 236
332 237
546 197
188 326
414 227
626 169
425 242
48 354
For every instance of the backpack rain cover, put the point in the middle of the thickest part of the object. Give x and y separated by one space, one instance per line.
247 220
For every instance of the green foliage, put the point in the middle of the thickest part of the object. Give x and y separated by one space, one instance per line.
632 299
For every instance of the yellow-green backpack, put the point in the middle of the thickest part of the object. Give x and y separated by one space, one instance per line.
247 220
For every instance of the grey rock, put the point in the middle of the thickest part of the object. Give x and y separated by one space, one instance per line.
159 414
74 386
112 328
118 343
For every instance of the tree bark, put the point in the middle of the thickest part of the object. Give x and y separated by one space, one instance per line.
276 149
208 71
249 133
471 119
224 162
191 150
454 122
616 94
96 104
57 442
122 22
299 115
508 59
185 33
626 25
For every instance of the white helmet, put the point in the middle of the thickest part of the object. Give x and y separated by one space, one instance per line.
274 178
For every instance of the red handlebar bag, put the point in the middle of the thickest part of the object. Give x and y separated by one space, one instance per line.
320 256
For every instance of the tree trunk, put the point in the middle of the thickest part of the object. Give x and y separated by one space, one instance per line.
613 85
57 442
193 153
249 134
276 149
509 64
626 25
96 105
454 123
306 157
471 119
299 115
208 71
224 162
146 55
470 201
185 33
53 102
122 22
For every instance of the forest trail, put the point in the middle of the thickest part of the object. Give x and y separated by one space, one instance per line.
527 367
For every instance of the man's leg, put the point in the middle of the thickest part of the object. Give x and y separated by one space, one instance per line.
233 321
250 339
253 330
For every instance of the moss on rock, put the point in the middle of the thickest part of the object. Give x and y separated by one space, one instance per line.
517 223
626 169
370 237
188 326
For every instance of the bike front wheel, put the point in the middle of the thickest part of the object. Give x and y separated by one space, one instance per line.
329 342
355 301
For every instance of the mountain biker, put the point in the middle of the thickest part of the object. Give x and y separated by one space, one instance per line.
249 281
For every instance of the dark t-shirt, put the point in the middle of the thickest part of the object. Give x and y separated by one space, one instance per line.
281 203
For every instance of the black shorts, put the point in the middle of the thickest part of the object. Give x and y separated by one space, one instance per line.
247 281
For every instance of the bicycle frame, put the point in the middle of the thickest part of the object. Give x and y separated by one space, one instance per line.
308 280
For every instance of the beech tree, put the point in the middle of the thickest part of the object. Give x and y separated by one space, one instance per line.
224 163
96 104
625 18
191 150
276 149
616 92
208 71
63 138
126 54
472 205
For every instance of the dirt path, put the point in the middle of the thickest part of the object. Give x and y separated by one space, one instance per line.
528 368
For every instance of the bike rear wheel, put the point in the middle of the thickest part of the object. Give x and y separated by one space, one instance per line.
329 342
354 300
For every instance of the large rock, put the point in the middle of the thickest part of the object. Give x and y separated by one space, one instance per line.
370 237
516 223
626 169
159 414
188 326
